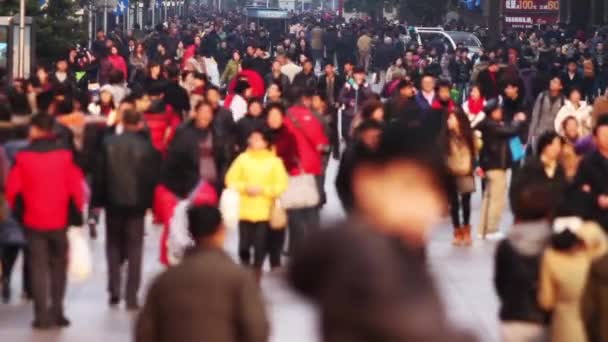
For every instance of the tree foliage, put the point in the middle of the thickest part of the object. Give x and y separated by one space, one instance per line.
57 27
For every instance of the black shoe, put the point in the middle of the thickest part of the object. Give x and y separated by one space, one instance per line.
6 291
62 322
41 325
114 300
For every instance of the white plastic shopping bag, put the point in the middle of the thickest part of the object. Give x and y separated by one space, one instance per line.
79 255
179 237
229 207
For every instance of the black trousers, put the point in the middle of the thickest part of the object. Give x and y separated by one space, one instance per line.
275 240
8 256
48 264
460 202
124 242
253 235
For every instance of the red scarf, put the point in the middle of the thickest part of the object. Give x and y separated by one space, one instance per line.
476 106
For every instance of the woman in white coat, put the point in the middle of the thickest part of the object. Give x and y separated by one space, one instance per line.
576 108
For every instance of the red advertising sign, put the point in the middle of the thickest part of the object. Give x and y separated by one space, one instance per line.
526 13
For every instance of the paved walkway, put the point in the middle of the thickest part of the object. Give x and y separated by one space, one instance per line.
464 278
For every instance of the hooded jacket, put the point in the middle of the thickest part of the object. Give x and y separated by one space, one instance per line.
517 268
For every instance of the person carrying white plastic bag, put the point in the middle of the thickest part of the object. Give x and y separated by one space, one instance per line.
80 264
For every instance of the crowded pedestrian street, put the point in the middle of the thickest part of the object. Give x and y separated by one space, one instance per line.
470 304
304 171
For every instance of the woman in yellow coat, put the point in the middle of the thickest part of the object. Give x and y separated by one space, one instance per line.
259 177
564 268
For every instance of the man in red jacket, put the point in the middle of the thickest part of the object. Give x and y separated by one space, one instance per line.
311 143
45 190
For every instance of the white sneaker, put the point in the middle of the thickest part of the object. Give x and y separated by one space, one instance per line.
495 236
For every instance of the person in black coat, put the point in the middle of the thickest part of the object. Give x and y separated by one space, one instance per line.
571 78
366 140
253 120
489 81
518 257
175 94
330 84
124 185
306 79
196 152
591 177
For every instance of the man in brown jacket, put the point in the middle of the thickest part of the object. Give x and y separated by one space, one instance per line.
221 299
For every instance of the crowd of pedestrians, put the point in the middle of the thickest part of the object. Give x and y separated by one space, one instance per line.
201 108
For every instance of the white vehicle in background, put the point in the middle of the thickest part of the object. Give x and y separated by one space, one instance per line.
452 39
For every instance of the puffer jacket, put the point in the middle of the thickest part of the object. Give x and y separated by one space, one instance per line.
495 153
161 121
582 114
462 71
257 169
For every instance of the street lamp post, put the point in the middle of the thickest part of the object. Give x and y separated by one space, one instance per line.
21 61
105 17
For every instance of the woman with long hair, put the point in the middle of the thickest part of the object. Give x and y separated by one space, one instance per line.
460 160
138 61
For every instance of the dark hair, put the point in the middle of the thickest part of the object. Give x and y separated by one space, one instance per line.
565 240
573 89
241 86
211 87
253 101
116 77
276 106
278 84
131 117
602 120
64 107
134 96
200 104
443 84
204 221
545 140
43 122
367 125
369 108
172 71
531 197
264 133
466 131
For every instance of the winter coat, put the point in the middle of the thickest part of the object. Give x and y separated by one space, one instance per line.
496 153
177 97
562 281
489 84
45 188
384 55
231 310
118 63
364 44
322 86
257 169
316 39
462 71
310 137
595 301
353 97
582 114
127 174
544 114
516 272
305 81
162 122
286 148
182 170
592 172
232 69
570 83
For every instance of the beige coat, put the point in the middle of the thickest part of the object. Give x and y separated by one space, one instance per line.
562 281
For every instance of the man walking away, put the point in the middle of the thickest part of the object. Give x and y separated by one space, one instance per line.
45 191
124 186
223 301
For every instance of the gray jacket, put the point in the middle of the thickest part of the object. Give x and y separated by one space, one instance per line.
543 115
